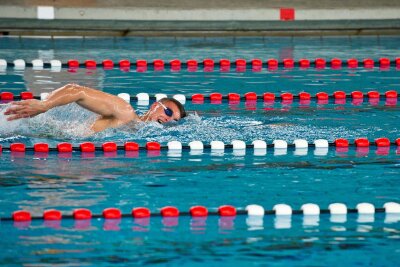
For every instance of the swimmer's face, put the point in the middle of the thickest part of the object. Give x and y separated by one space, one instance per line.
164 112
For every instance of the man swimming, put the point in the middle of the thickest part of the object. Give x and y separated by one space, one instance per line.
113 110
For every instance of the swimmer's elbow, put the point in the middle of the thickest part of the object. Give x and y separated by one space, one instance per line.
68 90
75 89
73 85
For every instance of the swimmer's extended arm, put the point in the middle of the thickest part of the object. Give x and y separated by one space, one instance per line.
113 109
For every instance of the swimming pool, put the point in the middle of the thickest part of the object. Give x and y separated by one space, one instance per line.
36 181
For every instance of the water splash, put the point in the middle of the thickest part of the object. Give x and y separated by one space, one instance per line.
66 122
72 123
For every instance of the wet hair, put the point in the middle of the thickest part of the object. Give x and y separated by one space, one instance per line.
177 103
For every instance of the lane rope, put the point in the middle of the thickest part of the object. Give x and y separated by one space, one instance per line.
207 64
201 211
304 98
260 147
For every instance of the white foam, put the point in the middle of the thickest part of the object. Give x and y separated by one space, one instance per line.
70 121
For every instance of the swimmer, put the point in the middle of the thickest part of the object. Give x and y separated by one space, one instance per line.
113 110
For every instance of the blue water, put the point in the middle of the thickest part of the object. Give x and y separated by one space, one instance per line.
36 182
213 243
198 47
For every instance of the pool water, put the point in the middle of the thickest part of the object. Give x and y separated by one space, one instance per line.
129 243
37 182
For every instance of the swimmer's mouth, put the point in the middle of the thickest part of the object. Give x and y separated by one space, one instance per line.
160 121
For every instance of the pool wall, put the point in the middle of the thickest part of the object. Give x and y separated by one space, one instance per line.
156 18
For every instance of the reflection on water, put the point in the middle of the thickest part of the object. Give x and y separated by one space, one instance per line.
203 241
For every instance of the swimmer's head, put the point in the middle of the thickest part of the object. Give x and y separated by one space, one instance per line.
165 110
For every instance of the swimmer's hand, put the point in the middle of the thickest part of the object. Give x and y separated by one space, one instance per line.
25 109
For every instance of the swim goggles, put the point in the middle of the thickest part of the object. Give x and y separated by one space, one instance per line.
167 111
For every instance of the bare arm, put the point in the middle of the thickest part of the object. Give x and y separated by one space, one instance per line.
112 109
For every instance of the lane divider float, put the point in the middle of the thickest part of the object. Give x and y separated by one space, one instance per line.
196 147
304 98
207 64
199 214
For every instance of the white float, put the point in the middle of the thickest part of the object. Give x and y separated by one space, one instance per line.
125 96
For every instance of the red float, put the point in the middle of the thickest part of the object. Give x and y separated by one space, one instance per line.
322 96
233 97
215 97
357 94
227 210
108 64
269 96
340 142
368 63
256 63
90 64
169 211
112 213
158 63
73 63
6 96
153 146
26 95
53 215
82 214
131 146
140 212
352 63
304 96
109 147
198 98
198 211
240 62
383 141
209 63
320 63
272 63
87 147
362 142
339 95
141 63
17 147
391 94
175 63
336 63
288 63
192 63
373 94
41 147
224 63
21 216
64 147
124 63
250 96
287 96
304 63
384 62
